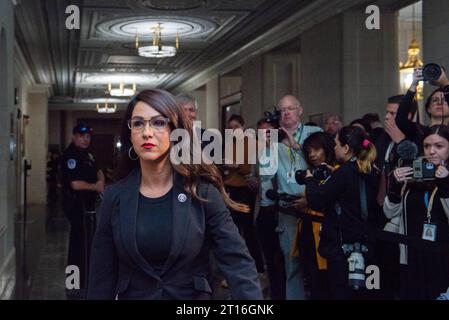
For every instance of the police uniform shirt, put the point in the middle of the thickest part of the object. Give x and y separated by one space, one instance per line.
78 165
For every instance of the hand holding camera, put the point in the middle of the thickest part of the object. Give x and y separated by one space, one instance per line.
417 77
433 74
288 140
299 204
403 174
442 172
319 173
274 118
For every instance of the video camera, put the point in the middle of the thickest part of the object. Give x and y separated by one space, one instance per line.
422 168
274 118
322 172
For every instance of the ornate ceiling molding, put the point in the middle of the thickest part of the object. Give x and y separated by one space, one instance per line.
288 30
169 5
124 28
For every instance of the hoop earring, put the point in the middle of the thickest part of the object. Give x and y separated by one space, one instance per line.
129 154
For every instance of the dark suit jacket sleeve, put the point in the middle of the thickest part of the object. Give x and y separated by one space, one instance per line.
408 127
103 260
230 250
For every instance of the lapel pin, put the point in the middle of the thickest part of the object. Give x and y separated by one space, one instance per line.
182 197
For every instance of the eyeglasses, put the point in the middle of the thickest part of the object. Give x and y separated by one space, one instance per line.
158 123
438 101
289 109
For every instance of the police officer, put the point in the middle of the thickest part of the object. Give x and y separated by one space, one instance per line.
82 182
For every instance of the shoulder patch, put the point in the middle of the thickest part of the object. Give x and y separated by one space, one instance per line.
71 164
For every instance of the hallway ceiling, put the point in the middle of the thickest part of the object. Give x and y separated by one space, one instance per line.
78 64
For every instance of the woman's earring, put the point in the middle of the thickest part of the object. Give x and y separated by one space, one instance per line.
129 154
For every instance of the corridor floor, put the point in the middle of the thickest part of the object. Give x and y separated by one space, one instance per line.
41 247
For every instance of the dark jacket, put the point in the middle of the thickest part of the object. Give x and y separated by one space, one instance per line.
414 131
342 188
118 269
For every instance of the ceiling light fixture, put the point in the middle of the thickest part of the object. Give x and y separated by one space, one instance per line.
413 61
157 49
121 91
106 108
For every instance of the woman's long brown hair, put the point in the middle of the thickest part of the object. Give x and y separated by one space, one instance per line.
164 102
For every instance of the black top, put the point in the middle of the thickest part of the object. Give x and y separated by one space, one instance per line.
342 190
375 134
154 229
427 271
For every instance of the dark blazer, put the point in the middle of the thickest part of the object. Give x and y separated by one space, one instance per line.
118 269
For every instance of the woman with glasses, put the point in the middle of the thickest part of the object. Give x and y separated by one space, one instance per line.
436 108
420 210
160 221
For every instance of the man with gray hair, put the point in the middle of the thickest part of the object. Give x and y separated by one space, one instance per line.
291 159
188 104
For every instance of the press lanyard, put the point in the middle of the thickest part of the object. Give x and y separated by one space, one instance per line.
429 204
290 153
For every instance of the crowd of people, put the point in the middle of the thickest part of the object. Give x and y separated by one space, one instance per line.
339 199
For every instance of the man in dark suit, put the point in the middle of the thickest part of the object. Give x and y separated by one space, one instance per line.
386 146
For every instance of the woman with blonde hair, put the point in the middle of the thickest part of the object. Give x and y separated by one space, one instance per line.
346 199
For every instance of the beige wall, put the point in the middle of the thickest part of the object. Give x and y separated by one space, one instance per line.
230 85
435 30
8 206
252 91
370 64
213 112
37 145
321 68
280 77
54 127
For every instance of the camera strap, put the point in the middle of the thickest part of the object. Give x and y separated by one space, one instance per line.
363 201
429 203
292 154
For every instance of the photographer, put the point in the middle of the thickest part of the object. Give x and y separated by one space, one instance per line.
345 199
420 209
319 153
387 158
291 159
436 107
267 219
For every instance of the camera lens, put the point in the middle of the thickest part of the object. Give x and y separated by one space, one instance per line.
431 72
